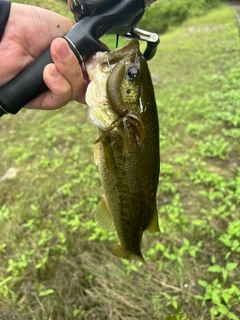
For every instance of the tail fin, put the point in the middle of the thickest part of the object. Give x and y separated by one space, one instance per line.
119 251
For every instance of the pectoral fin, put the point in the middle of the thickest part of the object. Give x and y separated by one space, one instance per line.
153 225
103 216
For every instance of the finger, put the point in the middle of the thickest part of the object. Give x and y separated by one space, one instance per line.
68 65
59 93
64 79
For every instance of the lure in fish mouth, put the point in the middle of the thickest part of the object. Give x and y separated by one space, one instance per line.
124 76
122 105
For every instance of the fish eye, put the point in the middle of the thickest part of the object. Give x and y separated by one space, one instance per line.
132 73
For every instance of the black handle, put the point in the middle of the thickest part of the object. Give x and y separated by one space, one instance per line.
26 86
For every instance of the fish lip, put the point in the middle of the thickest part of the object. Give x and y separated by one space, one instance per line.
125 50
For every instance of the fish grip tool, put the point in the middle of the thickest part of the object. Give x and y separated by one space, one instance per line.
94 19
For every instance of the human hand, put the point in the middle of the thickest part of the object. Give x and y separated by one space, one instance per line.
29 31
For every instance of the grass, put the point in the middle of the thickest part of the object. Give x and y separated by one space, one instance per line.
55 261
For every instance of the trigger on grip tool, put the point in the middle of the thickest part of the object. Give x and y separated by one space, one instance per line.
151 38
151 49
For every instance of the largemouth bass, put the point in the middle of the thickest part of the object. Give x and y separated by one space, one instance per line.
122 105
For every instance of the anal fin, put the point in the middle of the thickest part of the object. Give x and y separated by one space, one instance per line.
153 225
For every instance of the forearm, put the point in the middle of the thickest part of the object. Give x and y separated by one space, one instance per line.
4 14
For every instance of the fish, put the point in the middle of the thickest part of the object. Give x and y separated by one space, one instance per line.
121 104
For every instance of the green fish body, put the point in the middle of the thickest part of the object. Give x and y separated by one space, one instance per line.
122 105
